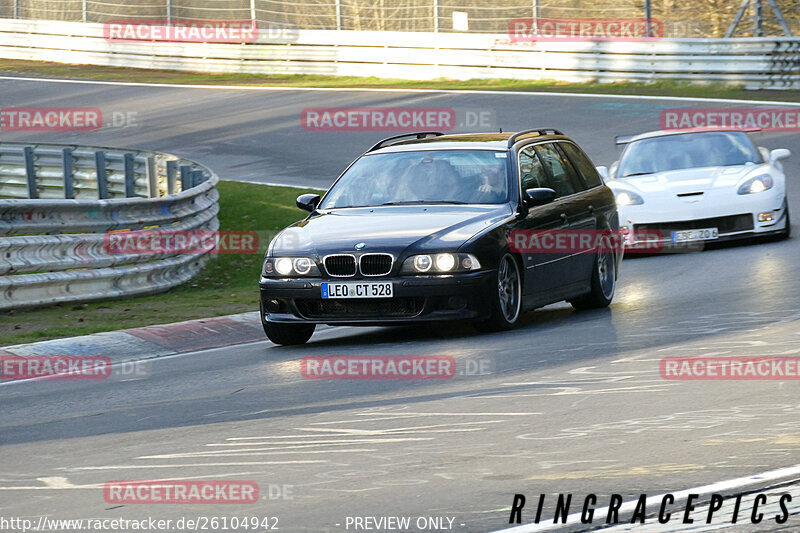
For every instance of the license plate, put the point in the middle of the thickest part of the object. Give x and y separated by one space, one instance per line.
689 235
357 290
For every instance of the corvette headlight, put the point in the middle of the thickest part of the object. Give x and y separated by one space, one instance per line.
756 185
629 198
289 266
440 263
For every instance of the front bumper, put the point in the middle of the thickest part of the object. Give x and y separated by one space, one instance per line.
415 299
650 229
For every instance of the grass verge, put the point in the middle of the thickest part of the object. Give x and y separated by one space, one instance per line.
662 88
228 284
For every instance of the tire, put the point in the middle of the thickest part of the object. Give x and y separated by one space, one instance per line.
785 234
288 334
604 282
506 297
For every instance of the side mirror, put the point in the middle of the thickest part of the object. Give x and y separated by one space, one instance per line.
539 196
603 171
307 202
778 154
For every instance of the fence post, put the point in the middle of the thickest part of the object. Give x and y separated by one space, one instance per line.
758 20
84 14
66 164
253 10
30 172
172 170
152 178
436 16
338 14
186 177
100 170
169 11
130 176
16 9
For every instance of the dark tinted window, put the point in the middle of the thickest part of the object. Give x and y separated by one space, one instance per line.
531 171
562 176
582 164
419 176
687 150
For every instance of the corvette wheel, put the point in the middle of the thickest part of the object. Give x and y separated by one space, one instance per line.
506 296
288 334
785 234
604 282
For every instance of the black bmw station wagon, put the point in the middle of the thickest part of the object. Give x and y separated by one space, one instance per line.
417 229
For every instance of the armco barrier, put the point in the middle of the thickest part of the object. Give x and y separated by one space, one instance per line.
57 203
757 63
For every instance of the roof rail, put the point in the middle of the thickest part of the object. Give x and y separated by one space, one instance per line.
623 139
419 135
540 131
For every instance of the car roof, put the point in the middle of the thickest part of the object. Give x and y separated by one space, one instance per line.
626 139
459 141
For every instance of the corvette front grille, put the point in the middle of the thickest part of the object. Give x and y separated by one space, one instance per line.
728 224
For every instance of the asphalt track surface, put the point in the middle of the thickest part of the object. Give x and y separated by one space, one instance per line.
571 402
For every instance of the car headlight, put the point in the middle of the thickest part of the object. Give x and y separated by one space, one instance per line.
757 184
289 266
628 198
442 263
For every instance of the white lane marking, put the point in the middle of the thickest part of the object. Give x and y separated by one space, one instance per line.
256 451
61 483
318 442
245 463
400 90
406 430
718 487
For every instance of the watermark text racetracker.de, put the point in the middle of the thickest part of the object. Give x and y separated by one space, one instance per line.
181 30
64 119
608 29
18 367
578 241
735 118
164 242
181 492
394 119
393 367
730 368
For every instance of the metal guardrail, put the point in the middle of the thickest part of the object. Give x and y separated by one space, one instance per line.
57 204
757 63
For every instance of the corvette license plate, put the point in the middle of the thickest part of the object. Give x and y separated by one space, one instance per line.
357 290
689 235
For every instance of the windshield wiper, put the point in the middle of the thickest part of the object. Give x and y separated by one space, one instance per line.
417 202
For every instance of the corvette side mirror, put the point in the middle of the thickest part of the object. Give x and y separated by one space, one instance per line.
603 171
778 154
539 196
307 202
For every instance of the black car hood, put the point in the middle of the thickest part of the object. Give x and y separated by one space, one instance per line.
391 229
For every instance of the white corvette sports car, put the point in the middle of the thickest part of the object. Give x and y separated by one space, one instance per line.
674 188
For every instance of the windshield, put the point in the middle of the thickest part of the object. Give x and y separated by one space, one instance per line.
688 150
425 176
